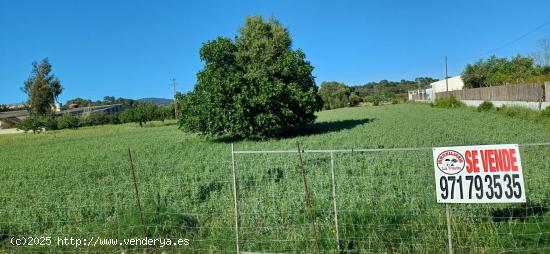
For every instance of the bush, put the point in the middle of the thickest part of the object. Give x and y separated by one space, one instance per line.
354 99
143 113
126 116
97 118
485 106
49 122
546 112
37 124
447 102
113 118
336 95
147 112
520 112
376 99
30 124
68 121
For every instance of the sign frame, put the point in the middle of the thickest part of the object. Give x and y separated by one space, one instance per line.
479 174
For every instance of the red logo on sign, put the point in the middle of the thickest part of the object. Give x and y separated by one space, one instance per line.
450 162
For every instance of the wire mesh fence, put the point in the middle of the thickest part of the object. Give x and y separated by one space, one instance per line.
363 201
385 202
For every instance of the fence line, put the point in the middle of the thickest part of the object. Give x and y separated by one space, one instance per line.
352 150
364 200
352 226
518 92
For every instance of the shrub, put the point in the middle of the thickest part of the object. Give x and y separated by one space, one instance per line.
147 112
68 121
37 124
113 118
447 102
485 106
546 112
518 111
49 122
354 99
376 99
97 118
29 124
126 116
335 95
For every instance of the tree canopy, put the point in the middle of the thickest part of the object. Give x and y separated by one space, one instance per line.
42 87
254 86
334 95
497 71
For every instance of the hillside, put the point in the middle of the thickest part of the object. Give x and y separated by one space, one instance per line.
161 102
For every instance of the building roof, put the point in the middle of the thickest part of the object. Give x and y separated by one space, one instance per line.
87 109
20 113
10 114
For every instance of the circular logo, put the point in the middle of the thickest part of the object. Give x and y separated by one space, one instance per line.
450 162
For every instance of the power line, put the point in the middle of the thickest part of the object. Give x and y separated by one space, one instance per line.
521 37
491 52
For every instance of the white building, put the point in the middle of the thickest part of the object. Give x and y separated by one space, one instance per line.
455 83
429 94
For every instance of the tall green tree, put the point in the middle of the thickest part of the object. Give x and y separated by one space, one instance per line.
254 86
334 95
42 87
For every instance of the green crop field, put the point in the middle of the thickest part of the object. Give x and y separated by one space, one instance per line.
78 183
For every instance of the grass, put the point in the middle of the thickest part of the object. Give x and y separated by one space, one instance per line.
77 183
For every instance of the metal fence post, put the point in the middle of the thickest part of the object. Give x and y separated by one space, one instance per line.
138 199
449 237
308 200
335 208
235 197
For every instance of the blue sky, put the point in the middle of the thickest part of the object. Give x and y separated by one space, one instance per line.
133 48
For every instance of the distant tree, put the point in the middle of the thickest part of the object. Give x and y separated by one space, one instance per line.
126 116
79 102
254 86
354 99
334 95
67 121
109 100
379 95
424 81
390 89
142 113
42 88
37 124
498 71
125 101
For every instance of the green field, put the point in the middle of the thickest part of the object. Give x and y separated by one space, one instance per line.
77 183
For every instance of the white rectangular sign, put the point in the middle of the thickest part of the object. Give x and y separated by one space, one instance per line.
479 174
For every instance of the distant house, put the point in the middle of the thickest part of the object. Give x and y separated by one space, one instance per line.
429 94
11 118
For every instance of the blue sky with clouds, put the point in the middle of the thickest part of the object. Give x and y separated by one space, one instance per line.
133 48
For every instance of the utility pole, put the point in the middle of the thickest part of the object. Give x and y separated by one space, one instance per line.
446 76
175 101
